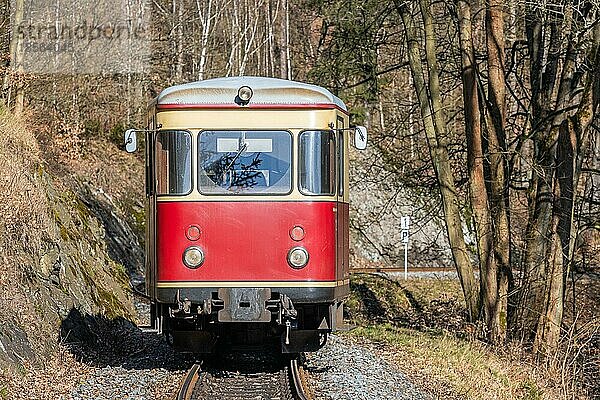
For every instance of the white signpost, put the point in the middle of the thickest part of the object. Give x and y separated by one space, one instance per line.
404 234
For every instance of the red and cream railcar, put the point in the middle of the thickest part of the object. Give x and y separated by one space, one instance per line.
247 212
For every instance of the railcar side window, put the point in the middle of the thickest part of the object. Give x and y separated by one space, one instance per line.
173 162
340 149
317 162
245 162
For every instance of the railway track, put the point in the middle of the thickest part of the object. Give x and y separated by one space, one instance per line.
246 376
394 269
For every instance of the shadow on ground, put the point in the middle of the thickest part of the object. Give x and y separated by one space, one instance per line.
372 306
100 342
380 299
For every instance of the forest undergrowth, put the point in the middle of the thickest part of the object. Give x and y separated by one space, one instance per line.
420 325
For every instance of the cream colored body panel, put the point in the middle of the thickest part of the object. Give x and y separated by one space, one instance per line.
247 118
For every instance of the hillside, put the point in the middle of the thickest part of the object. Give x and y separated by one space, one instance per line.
58 266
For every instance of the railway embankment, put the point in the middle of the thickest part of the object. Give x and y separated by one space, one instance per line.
419 326
64 252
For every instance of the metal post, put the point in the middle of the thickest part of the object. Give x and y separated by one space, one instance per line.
405 225
405 261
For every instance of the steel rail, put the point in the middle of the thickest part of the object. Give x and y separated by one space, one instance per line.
189 383
295 384
299 384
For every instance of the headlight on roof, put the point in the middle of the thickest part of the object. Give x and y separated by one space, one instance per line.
297 257
193 257
245 94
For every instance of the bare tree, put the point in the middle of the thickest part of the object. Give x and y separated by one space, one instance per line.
477 188
435 130
561 118
14 74
497 276
285 69
206 17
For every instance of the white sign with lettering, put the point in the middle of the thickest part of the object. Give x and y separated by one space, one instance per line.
405 223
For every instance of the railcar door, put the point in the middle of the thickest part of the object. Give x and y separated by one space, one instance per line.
342 245
150 212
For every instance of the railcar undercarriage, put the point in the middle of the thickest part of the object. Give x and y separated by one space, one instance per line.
246 317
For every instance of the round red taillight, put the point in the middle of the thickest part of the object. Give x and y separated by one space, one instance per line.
193 232
297 233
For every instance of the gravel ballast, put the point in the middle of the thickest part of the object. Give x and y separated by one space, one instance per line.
127 384
130 364
346 370
343 369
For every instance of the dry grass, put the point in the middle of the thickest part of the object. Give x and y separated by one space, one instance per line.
108 167
25 221
105 166
581 336
420 326
56 378
450 367
418 304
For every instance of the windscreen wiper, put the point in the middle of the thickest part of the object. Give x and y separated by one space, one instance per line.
239 153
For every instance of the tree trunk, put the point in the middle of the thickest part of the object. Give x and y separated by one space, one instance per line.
498 274
269 67
548 327
205 14
20 90
537 266
16 61
177 32
561 140
284 40
477 189
250 31
440 160
573 140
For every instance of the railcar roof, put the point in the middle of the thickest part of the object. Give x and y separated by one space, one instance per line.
266 91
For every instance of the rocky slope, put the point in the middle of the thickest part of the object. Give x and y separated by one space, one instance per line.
60 265
378 201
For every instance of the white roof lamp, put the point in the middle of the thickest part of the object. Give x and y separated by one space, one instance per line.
261 91
244 95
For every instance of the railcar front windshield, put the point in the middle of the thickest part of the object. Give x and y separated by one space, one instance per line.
245 162
173 162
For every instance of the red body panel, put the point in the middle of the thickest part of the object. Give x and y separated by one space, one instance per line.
249 241
275 106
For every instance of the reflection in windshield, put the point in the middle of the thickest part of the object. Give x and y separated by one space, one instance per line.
244 162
